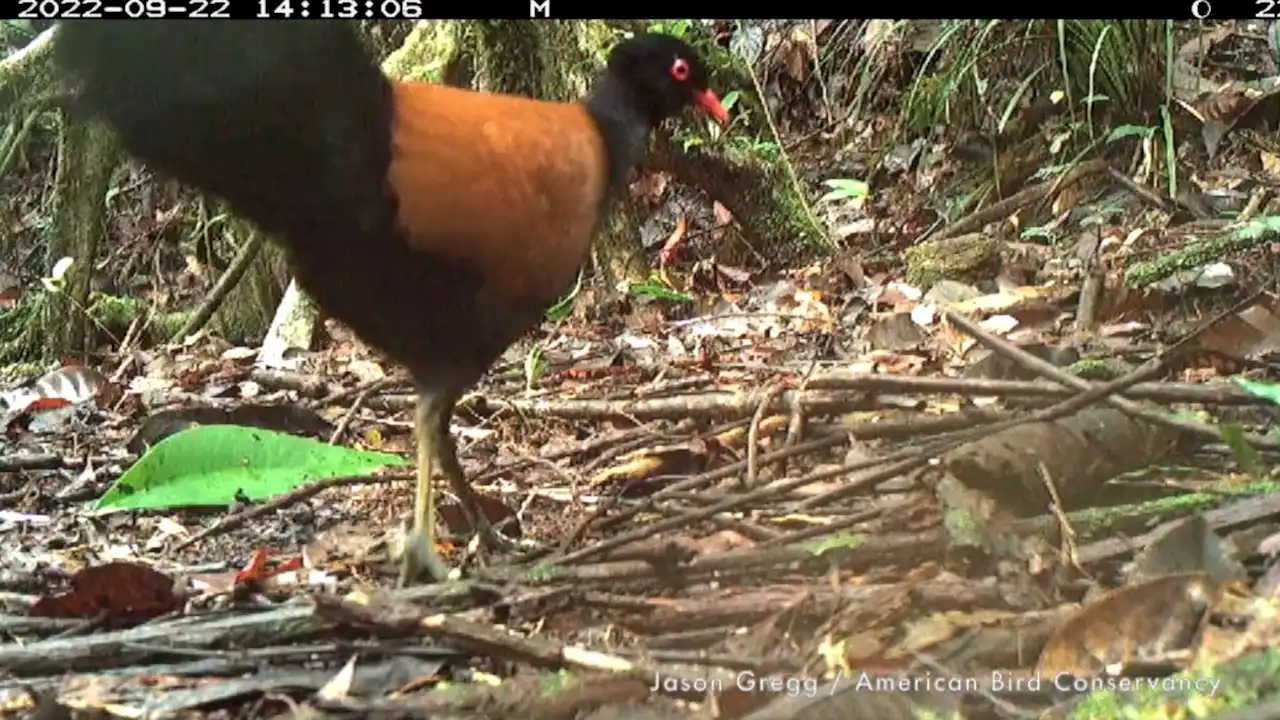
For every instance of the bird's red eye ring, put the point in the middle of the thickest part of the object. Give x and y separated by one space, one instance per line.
680 69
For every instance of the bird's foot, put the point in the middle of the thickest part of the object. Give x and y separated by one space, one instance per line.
418 555
495 540
490 538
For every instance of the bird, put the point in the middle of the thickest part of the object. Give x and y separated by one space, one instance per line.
437 223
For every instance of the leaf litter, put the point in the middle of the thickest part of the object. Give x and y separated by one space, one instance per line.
745 488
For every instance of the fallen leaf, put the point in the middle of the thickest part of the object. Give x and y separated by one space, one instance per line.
723 216
118 591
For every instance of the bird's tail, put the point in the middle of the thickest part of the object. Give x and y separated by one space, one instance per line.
289 122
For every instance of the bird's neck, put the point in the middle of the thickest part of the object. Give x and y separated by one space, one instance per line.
624 126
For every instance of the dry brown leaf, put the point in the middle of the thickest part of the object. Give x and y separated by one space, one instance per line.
649 187
1250 332
737 437
670 460
1270 163
723 216
1013 302
1134 622
366 371
927 632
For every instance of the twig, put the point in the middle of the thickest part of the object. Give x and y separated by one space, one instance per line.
809 533
347 417
905 549
768 492
1022 198
1164 392
947 443
795 428
1070 550
232 522
1007 709
301 383
1152 196
829 438
698 482
609 445
479 638
62 655
753 435
51 461
623 443
1050 371
1256 200
239 264
828 394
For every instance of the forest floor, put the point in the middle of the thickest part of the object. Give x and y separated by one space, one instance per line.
972 465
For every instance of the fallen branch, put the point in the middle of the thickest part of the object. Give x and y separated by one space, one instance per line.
834 438
1010 205
1246 511
1049 370
1163 392
828 394
112 649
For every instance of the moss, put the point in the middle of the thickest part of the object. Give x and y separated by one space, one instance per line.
1100 522
748 177
425 52
1237 683
19 373
1100 369
967 258
22 337
1243 238
165 325
115 313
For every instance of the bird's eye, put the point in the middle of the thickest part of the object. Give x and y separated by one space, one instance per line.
680 69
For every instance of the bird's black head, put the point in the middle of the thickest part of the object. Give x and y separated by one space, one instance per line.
664 75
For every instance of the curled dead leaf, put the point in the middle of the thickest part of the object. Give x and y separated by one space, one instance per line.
672 244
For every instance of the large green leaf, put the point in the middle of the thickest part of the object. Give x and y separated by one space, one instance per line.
1264 390
208 465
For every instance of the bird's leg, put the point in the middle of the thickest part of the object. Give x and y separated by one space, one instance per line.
446 454
419 548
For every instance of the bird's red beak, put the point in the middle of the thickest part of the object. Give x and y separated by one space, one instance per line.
708 101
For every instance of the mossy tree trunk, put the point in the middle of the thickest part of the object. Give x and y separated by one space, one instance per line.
619 252
87 155
248 308
754 184
745 169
